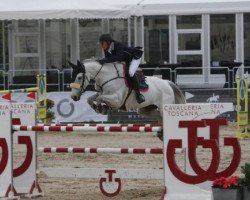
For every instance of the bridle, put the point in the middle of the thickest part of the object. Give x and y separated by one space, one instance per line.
82 89
81 86
102 85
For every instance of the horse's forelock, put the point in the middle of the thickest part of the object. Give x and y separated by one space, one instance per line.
75 72
89 61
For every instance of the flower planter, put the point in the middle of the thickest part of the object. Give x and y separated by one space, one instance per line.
227 194
246 193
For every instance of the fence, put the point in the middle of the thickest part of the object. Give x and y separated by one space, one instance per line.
205 77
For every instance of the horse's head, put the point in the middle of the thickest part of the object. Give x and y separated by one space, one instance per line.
79 80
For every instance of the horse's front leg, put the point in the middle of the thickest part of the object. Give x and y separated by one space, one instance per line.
156 114
107 101
92 101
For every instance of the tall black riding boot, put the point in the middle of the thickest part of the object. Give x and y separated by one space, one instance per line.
135 82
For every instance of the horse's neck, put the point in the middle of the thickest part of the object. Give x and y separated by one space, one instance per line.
106 72
92 68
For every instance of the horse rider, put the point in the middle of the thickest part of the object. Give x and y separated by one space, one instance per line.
117 52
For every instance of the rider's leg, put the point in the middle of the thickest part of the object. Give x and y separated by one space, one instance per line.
143 85
135 81
134 64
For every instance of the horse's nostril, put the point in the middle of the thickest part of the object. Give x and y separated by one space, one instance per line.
74 98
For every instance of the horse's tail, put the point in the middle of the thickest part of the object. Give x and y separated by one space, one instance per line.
178 95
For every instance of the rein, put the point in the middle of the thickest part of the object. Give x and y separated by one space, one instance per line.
82 89
78 86
83 80
81 86
102 85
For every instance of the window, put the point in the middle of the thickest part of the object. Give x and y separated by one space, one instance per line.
196 60
222 38
4 45
132 31
189 22
1 45
57 43
189 48
26 44
247 39
119 30
189 41
25 51
27 26
89 33
156 37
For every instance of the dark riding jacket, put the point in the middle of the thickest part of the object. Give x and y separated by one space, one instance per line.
119 52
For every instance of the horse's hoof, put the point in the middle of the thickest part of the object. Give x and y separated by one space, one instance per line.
105 109
104 112
99 108
96 109
160 134
94 105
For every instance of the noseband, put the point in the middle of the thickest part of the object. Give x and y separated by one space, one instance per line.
78 86
81 87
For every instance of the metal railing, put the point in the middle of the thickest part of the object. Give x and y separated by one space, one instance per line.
2 79
234 71
66 79
59 80
21 79
163 72
206 76
27 78
53 79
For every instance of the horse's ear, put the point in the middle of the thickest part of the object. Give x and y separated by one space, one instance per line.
72 65
81 66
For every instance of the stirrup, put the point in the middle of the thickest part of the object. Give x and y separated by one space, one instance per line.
140 98
143 86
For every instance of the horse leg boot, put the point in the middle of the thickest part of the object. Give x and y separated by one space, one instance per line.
135 82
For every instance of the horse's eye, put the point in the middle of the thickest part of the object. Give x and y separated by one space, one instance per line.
80 78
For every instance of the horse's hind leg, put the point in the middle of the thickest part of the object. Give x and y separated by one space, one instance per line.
153 113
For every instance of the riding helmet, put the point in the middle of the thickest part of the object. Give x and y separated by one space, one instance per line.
105 38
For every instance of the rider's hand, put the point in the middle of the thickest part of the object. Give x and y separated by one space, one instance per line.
101 61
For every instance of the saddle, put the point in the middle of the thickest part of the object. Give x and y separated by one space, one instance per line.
143 86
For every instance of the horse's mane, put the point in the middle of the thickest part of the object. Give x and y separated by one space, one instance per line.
93 59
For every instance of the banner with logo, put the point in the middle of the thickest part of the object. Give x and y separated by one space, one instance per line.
65 109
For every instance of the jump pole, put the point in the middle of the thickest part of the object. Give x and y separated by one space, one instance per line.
32 89
242 107
86 150
85 129
101 124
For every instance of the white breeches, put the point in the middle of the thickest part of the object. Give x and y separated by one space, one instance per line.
133 66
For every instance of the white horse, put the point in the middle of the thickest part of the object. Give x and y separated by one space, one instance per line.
113 93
